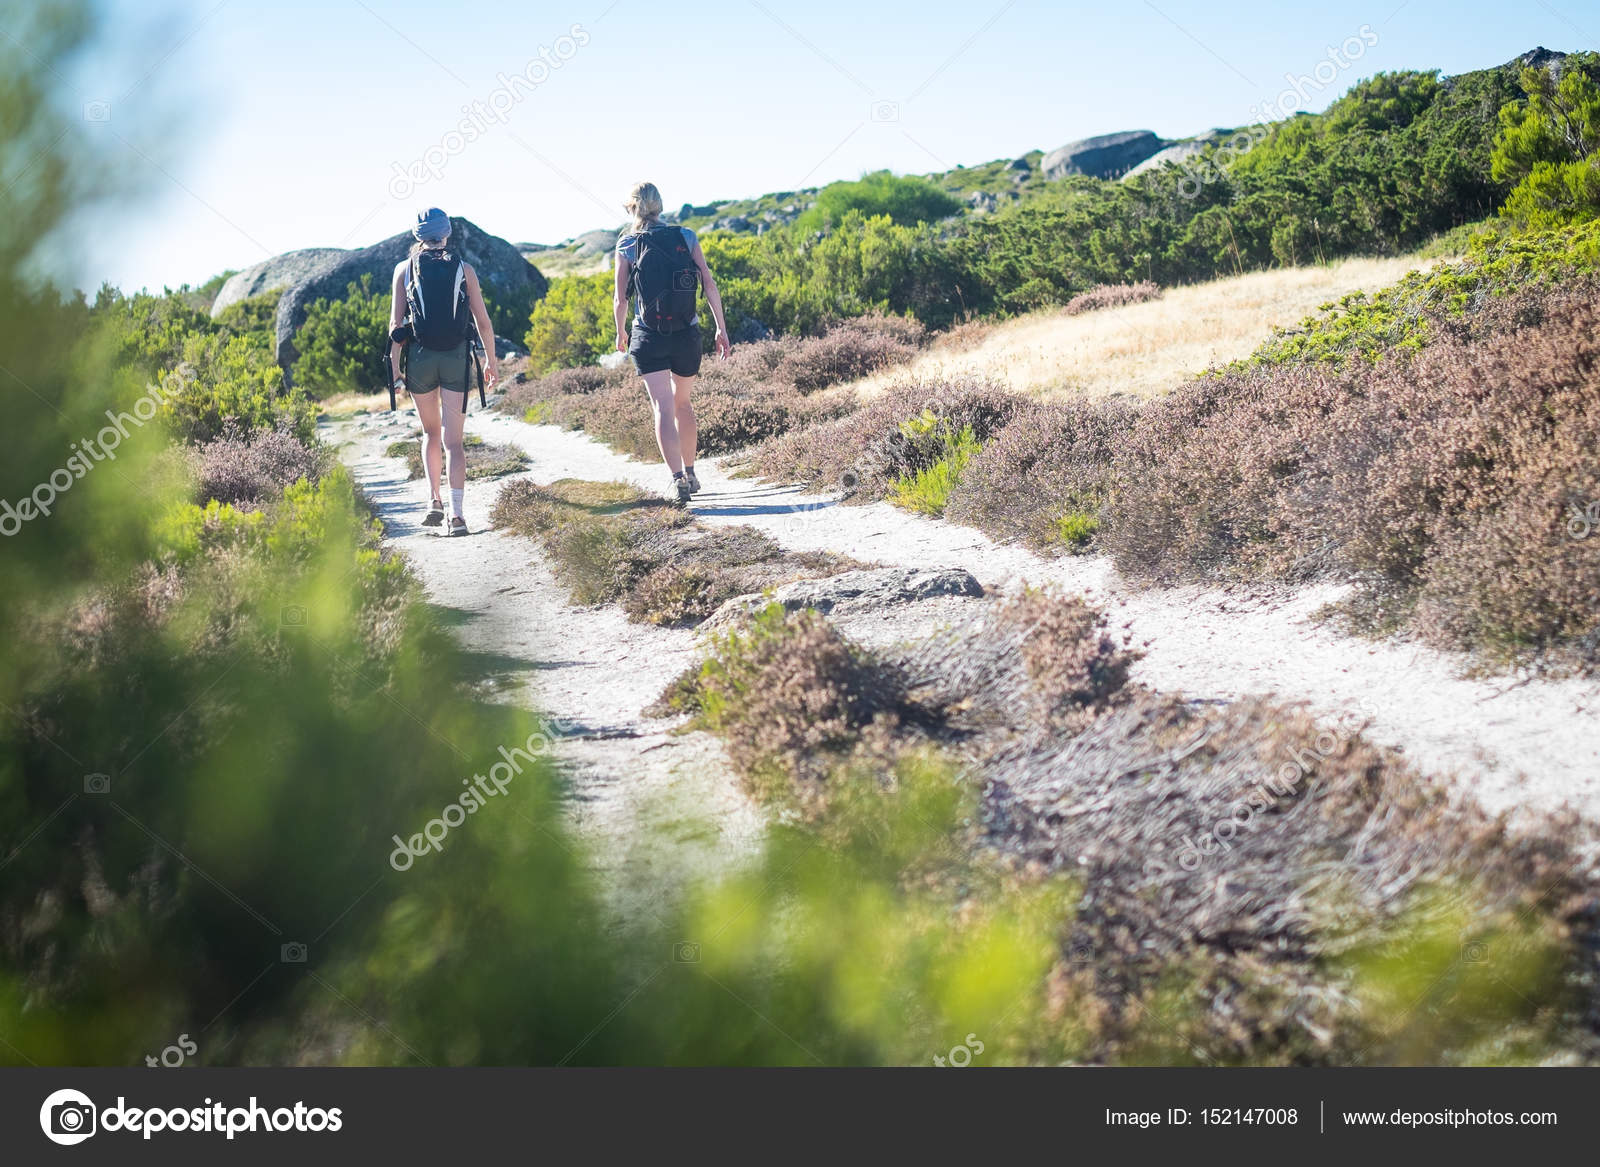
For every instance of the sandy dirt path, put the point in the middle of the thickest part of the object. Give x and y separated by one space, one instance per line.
657 809
1528 744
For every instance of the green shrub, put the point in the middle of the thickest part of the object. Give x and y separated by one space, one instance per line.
927 490
339 342
257 315
1549 146
904 200
573 325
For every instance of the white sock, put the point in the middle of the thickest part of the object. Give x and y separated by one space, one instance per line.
456 497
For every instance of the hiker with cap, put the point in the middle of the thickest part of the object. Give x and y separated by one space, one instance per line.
437 303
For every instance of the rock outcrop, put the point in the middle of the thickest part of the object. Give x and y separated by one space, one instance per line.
1177 153
1105 156
855 591
512 283
270 275
598 242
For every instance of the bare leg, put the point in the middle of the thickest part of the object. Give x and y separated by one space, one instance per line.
455 420
659 386
432 448
683 410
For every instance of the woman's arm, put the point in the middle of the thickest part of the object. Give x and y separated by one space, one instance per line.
713 298
485 329
397 316
619 301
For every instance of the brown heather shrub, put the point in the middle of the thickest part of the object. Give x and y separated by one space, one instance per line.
1112 296
758 393
788 693
1199 476
851 350
611 543
733 414
1038 660
238 467
862 452
1045 475
1442 481
962 337
1253 885
679 595
1236 860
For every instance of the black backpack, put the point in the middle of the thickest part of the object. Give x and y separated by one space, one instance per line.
440 317
665 278
436 295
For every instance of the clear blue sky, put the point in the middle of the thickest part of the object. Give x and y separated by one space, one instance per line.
293 115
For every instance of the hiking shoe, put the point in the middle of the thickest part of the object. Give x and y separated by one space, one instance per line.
458 526
693 481
435 514
681 485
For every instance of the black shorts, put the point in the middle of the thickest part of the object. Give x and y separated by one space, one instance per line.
678 351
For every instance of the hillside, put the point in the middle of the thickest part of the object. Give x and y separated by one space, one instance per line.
1116 625
1127 155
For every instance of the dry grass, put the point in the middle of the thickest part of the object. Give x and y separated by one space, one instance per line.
1142 349
612 543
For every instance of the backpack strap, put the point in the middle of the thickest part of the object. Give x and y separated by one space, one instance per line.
413 284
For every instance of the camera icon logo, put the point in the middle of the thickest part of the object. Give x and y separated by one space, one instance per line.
686 953
292 953
97 111
97 783
293 616
1474 952
67 1117
686 280
885 111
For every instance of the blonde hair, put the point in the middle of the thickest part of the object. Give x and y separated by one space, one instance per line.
644 204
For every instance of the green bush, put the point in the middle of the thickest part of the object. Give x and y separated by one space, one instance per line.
927 490
1549 145
905 200
794 282
212 372
339 342
256 315
573 325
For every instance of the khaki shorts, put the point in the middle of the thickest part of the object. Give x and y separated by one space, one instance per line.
428 369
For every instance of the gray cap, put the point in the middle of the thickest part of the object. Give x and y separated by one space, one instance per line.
433 226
